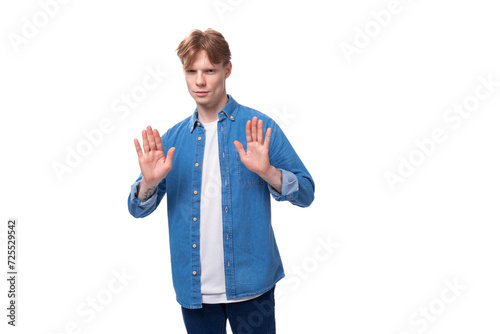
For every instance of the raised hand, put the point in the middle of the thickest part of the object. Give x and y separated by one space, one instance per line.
256 158
154 165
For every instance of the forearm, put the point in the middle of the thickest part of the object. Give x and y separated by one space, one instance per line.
142 208
274 178
145 191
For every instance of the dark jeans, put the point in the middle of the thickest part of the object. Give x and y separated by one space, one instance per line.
252 316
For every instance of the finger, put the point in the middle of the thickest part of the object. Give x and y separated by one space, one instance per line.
159 145
267 141
138 148
260 132
254 128
249 132
151 139
145 142
240 149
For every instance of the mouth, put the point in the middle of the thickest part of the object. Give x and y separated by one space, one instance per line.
201 92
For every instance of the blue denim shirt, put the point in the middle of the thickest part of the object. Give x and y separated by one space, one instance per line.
252 262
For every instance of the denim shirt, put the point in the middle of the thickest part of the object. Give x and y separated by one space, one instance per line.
252 262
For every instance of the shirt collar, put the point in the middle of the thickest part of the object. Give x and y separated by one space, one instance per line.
229 111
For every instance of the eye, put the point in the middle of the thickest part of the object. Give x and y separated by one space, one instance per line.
211 71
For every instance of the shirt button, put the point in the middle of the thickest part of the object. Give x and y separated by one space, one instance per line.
196 164
194 245
198 123
199 138
195 219
195 192
194 272
231 117
226 208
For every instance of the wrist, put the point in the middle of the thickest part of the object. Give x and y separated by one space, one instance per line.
147 185
266 174
270 174
274 178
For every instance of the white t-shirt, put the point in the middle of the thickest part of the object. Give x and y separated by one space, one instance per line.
213 288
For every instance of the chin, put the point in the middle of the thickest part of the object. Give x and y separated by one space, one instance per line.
201 100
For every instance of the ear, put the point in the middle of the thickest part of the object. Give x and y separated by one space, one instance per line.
229 67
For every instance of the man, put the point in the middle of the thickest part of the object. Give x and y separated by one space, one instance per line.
224 258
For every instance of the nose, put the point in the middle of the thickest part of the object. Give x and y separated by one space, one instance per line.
200 79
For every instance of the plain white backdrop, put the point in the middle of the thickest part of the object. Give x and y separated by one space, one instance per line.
354 85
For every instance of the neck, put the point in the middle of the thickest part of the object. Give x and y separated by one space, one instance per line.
208 113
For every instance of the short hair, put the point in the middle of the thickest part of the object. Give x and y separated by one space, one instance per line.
209 40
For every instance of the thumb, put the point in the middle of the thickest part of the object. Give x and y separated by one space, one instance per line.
240 148
170 154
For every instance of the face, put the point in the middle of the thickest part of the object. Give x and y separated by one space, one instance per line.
206 82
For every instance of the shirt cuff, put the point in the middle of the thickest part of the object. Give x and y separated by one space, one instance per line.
146 204
289 187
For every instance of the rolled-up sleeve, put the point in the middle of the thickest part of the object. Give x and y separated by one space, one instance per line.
140 209
298 185
289 188
146 204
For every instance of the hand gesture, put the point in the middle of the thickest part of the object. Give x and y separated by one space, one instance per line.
154 165
256 158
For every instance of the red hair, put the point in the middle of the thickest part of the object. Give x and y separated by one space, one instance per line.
209 40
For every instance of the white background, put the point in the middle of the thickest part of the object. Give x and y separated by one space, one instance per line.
348 121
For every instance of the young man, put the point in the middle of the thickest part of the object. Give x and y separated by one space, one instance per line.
224 258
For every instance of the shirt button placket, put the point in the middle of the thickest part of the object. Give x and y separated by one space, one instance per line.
197 185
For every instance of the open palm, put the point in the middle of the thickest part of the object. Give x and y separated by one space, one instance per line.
256 157
154 165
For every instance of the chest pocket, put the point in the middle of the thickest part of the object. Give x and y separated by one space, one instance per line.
245 176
